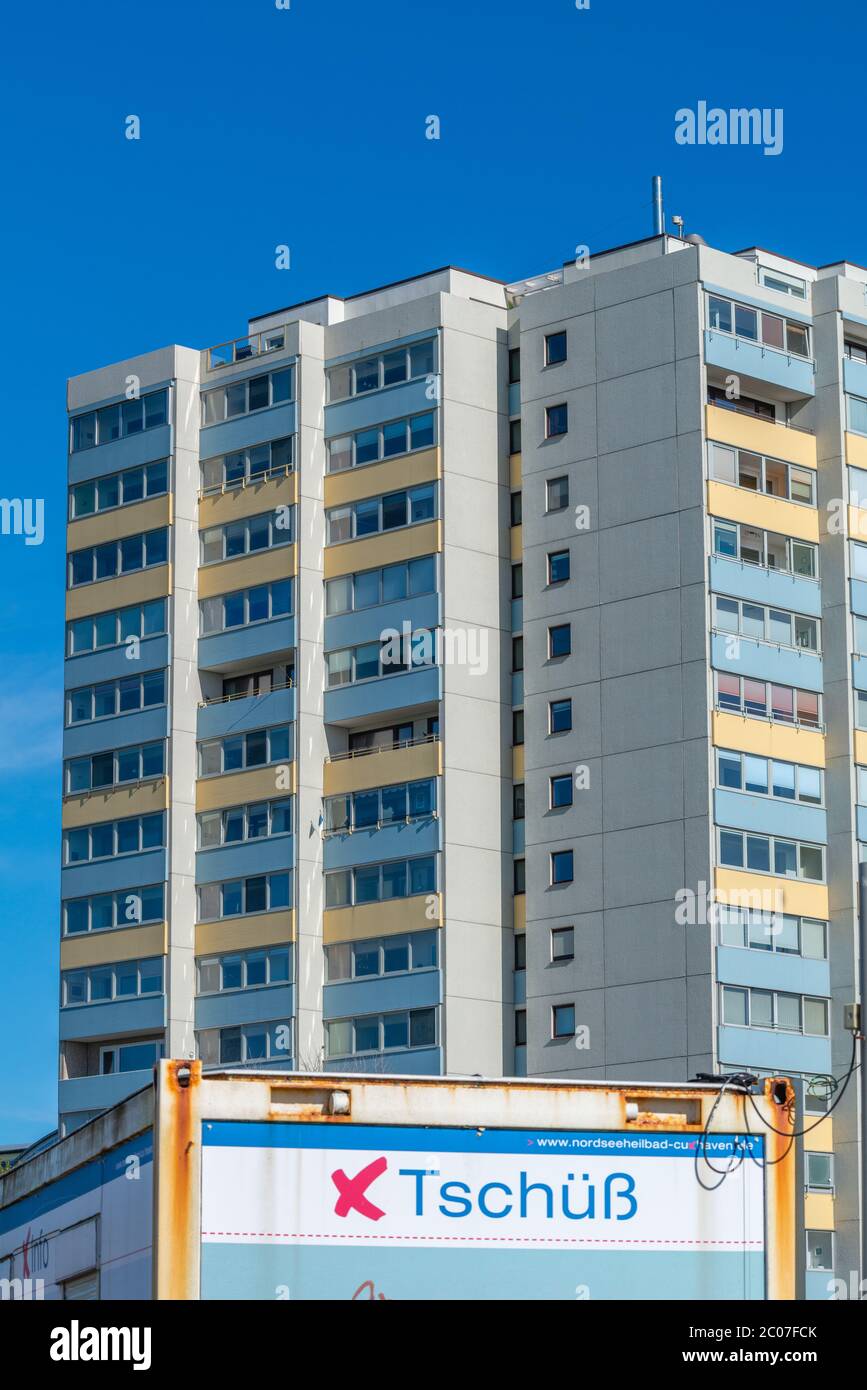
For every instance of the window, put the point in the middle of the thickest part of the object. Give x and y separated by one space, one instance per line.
517 581
769 931
110 698
767 549
237 752
105 911
408 579
514 366
560 791
563 1021
111 838
252 1044
757 473
381 1033
140 1056
260 820
245 466
769 777
520 957
382 956
388 656
517 653
256 969
520 1027
375 514
857 413
114 768
371 810
758 326
112 558
555 348
112 629
774 625
562 943
118 489
518 801
764 1008
820 1251
765 854
561 866
763 700
243 397
855 352
557 494
556 420
819 1171
558 566
373 883
560 716
784 284
559 640
517 728
391 368
516 513
519 877
378 442
514 436
245 607
118 421
101 984
243 896
253 533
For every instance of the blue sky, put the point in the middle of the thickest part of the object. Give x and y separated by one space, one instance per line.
306 127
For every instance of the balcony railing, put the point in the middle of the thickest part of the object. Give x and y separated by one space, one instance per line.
383 748
245 695
249 480
754 415
243 349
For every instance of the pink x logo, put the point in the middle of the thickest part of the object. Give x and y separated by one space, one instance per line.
352 1190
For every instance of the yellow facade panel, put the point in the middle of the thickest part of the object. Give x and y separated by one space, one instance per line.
245 933
382 919
238 788
374 479
516 544
519 912
122 521
861 747
218 508
387 548
141 799
857 520
108 594
106 947
767 893
230 575
758 509
819 1211
768 739
518 763
856 450
515 472
760 436
821 1136
383 768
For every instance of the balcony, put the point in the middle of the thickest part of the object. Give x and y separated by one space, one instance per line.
238 646
394 695
753 656
758 365
237 713
382 767
101 1092
743 429
761 584
394 840
244 349
115 1019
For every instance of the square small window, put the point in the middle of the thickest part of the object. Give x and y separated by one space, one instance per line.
520 950
517 728
520 1027
820 1250
556 494
517 653
561 791
558 566
563 1021
560 716
562 866
556 420
517 581
819 1171
519 884
516 513
555 348
559 640
514 436
514 365
563 943
518 811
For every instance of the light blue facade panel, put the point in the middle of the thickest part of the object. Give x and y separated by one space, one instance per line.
769 816
520 1061
100 1092
113 875
771 587
410 398
115 663
818 1285
245 643
784 665
389 694
514 398
773 970
517 688
861 818
855 378
743 358
120 732
418 989
859 672
421 1061
148 447
245 860
519 988
270 1004
518 836
858 593
390 842
517 614
247 430
236 716
119 1018
369 624
774 1051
